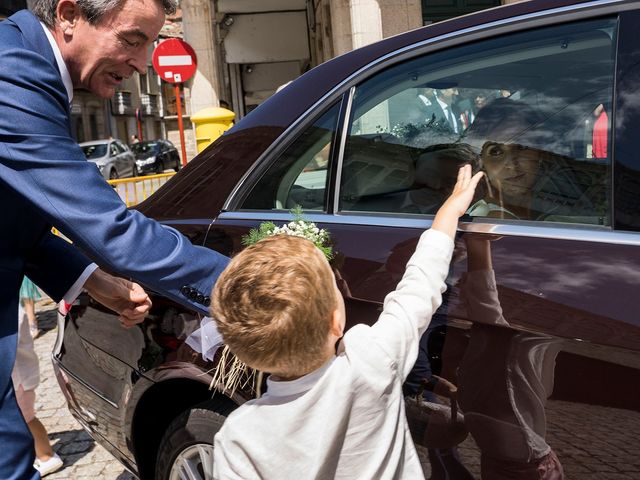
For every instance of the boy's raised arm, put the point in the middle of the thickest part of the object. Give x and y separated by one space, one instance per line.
407 310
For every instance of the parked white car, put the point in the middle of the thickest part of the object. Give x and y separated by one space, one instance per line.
113 158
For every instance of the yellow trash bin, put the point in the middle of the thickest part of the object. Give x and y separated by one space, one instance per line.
210 124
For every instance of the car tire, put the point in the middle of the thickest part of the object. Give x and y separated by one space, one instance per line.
135 172
113 174
178 166
187 444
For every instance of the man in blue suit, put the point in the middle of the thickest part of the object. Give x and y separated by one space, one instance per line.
45 180
439 106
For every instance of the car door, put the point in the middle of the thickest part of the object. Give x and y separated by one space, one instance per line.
115 159
172 153
166 155
126 160
113 165
538 330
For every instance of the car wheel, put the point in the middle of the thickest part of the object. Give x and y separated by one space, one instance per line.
160 168
135 172
113 174
178 166
186 449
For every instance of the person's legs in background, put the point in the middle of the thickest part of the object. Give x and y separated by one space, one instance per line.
29 306
25 378
47 461
29 294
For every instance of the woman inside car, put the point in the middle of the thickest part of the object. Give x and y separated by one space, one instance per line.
505 132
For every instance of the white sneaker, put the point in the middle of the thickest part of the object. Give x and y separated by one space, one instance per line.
54 464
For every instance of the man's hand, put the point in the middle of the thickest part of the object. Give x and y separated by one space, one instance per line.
124 297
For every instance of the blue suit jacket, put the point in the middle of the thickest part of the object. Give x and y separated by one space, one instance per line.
45 180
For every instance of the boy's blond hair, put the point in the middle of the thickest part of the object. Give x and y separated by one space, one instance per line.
273 305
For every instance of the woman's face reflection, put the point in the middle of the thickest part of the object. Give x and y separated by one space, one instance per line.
511 168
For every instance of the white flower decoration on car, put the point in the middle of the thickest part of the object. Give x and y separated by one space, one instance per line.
298 227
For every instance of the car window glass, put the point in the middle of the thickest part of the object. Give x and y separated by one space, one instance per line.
531 109
94 151
137 148
300 175
113 149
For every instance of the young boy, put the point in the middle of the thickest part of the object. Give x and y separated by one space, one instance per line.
326 414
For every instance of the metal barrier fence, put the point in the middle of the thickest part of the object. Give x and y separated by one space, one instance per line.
134 190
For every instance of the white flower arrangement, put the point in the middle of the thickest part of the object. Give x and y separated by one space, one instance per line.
298 227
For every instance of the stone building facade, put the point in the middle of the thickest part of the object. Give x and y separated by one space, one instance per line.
246 50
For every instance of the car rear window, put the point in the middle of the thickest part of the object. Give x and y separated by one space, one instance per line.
531 109
144 147
94 151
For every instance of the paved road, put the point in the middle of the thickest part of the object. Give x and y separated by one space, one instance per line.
83 458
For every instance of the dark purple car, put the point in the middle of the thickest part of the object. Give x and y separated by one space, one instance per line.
537 342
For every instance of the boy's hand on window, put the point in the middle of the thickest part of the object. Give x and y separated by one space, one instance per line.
463 191
457 204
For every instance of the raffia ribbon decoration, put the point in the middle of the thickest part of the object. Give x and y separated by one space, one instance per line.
232 374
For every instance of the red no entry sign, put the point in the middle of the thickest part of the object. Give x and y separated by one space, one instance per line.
174 60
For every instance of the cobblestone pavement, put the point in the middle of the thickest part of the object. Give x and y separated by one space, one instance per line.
83 458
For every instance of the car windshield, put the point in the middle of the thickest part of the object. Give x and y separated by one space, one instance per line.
144 147
94 151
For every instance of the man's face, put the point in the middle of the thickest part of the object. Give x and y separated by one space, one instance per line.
100 56
448 94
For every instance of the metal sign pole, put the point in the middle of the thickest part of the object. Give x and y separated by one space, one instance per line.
180 126
139 124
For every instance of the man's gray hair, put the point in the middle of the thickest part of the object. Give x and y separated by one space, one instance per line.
92 10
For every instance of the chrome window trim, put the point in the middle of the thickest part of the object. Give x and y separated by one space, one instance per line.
84 383
188 221
346 121
547 17
576 233
290 131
